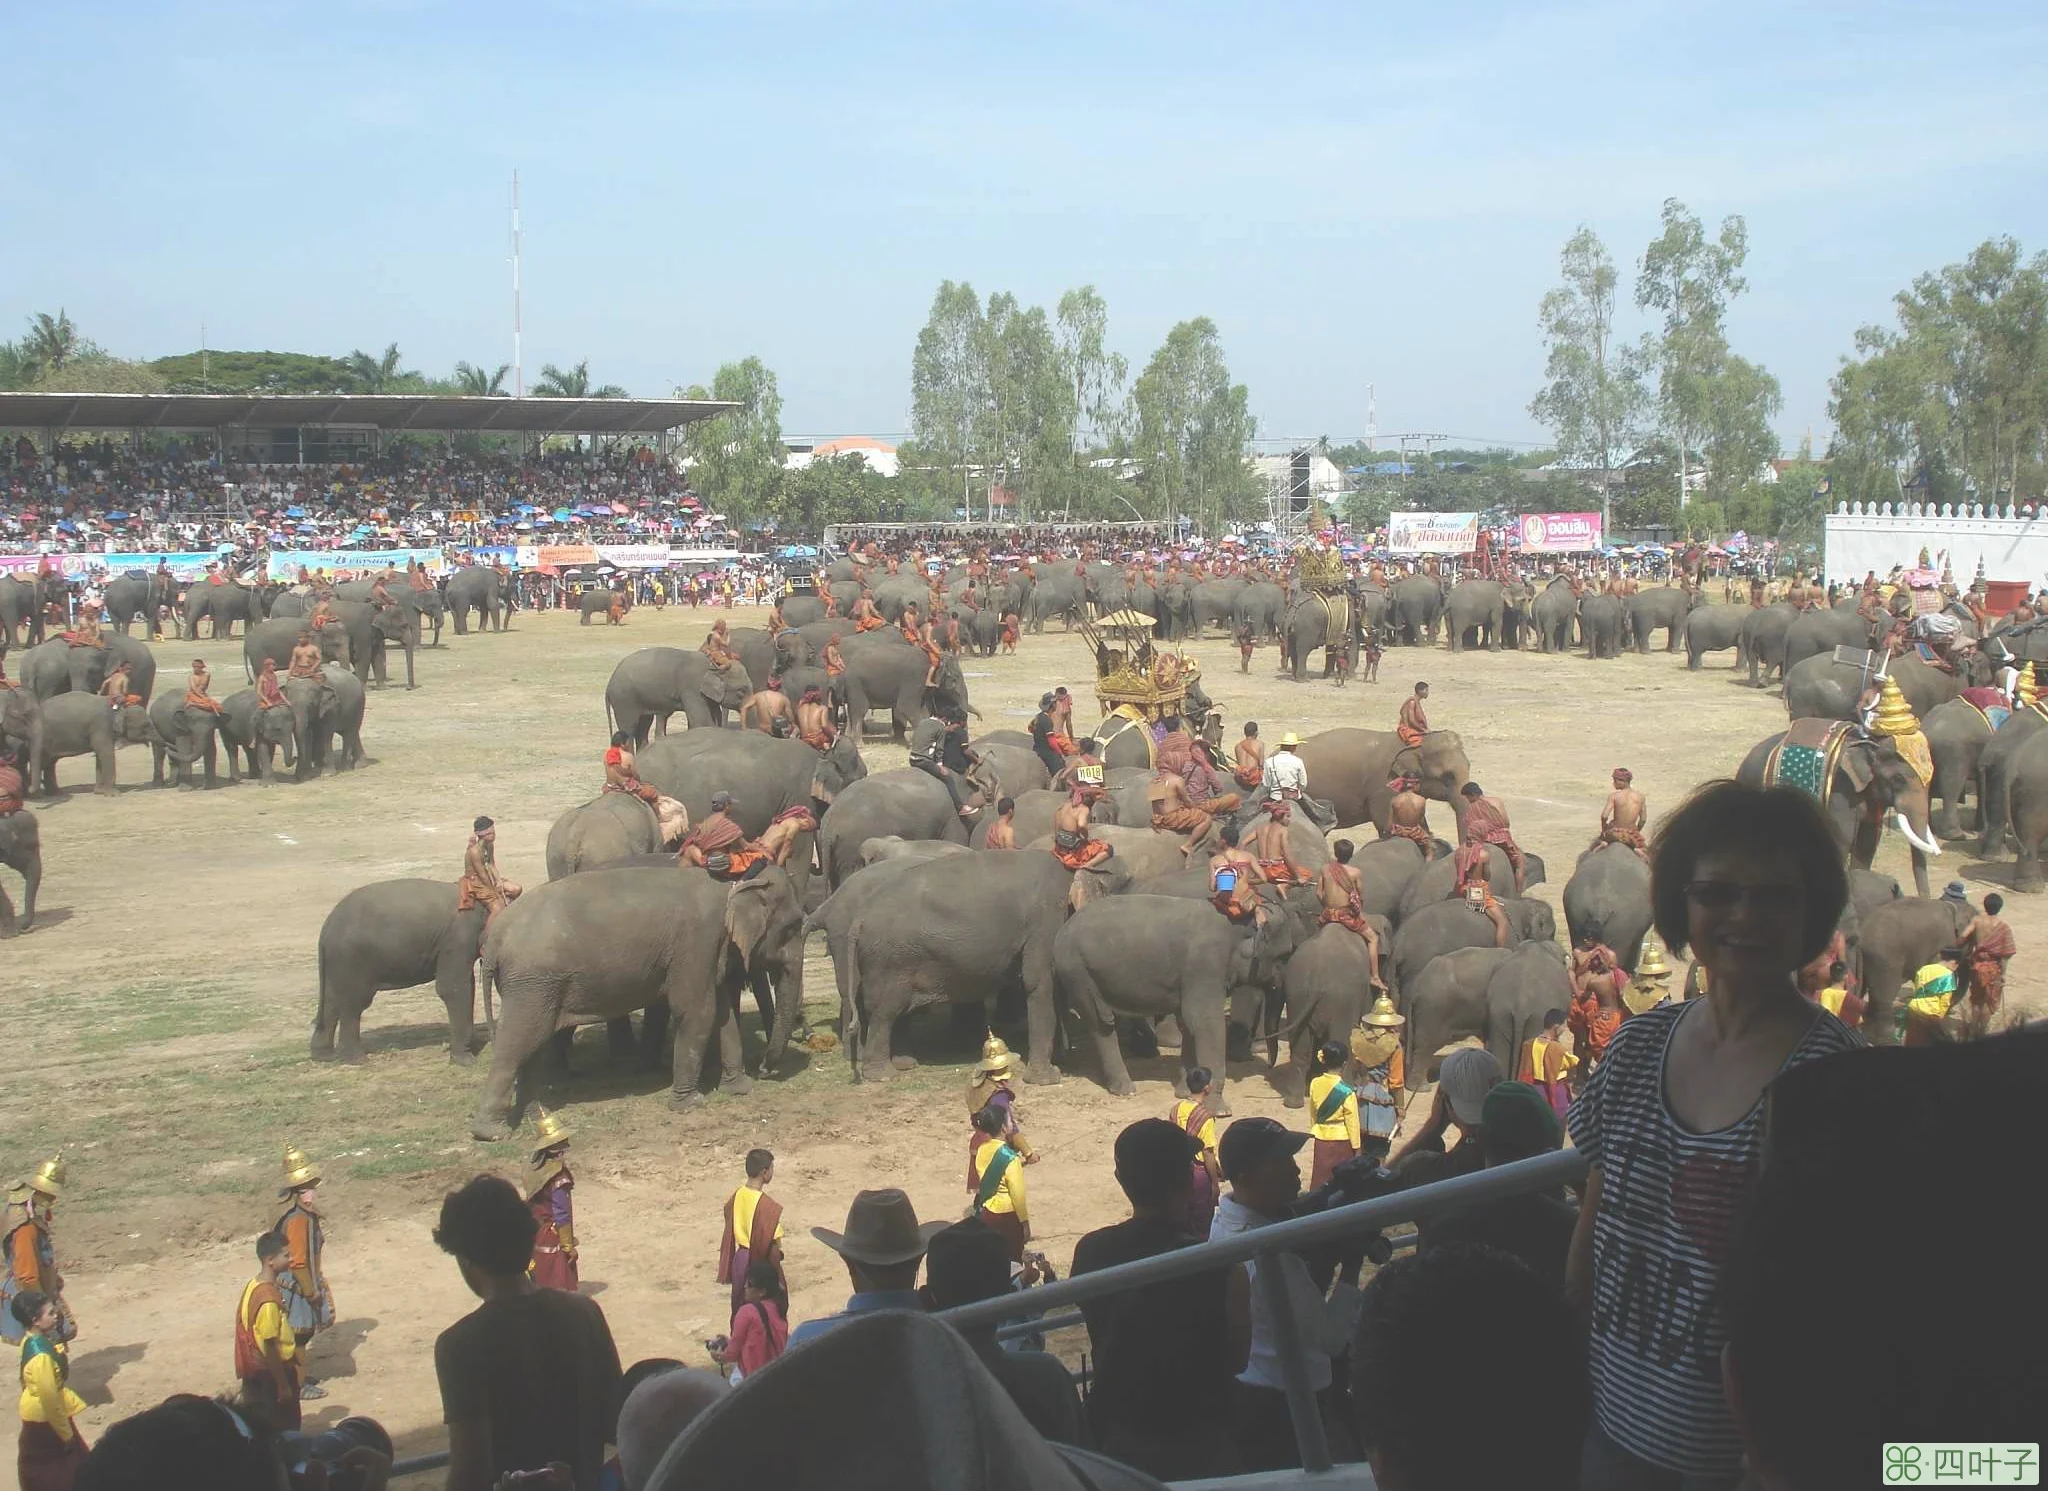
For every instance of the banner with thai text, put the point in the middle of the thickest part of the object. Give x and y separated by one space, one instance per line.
1432 533
558 555
1560 533
634 556
184 566
285 564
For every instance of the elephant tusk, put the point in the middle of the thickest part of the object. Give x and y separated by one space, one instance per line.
1925 846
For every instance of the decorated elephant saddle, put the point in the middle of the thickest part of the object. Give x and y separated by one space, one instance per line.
1806 757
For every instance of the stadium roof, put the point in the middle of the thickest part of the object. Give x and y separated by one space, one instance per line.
383 411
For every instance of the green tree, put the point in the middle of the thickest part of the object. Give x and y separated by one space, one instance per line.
367 374
95 371
475 381
1592 395
252 372
840 489
1030 418
950 403
1190 426
737 458
572 383
1095 374
52 341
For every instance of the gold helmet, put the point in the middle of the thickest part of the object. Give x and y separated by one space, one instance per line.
299 1172
995 1058
1383 1015
1652 966
48 1179
548 1132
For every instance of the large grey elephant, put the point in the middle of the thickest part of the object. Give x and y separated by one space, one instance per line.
885 672
1438 881
21 850
1898 938
1150 957
1553 612
763 655
905 802
1214 603
21 732
839 913
56 667
1350 768
894 594
21 607
182 738
1007 769
82 725
2024 777
1499 995
1816 630
1260 605
1389 866
274 639
396 934
1032 820
800 608
611 827
1872 785
1476 614
251 732
1820 687
1416 608
1600 624
1762 640
486 591
1307 629
1713 629
968 929
1608 899
1957 733
652 683
600 945
1328 988
223 605
1445 926
1994 779
372 632
1665 606
325 709
140 595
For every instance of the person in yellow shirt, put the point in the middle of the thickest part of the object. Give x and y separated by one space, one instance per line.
1191 1115
1333 1113
1934 990
753 1231
995 1173
266 1355
1547 1067
51 1446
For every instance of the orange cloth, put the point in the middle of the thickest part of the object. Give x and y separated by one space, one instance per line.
870 624
194 699
1094 851
1412 831
1279 872
1633 837
1410 736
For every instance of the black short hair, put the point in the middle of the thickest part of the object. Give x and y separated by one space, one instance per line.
1199 1078
758 1161
186 1440
26 1305
1230 835
1553 1017
1460 1325
1006 805
1780 821
622 737
989 1120
1993 904
1330 1054
1343 849
1251 727
1089 745
270 1244
487 1224
764 1275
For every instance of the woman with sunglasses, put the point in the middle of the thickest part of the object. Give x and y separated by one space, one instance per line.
1671 1123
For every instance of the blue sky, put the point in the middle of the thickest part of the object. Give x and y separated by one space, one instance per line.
1355 194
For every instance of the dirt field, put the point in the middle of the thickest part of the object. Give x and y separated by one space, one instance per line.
158 1013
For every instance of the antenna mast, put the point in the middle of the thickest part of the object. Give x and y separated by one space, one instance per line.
518 365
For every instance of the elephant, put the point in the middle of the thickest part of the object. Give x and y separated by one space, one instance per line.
1608 899
1762 640
1445 926
1007 770
21 850
323 708
1957 733
1478 609
223 603
1350 768
894 594
886 672
1058 592
1328 987
798 609
980 631
21 732
1666 606
652 683
81 724
1498 994
419 605
396 934
1306 630
884 848
611 827
599 602
1260 605
1032 819
1389 866
1994 779
21 610
56 667
1127 745
1821 688
1371 603
274 639
1149 957
599 945
1713 629
2025 783
1821 631
906 802
1600 625
183 737
486 591
1214 602
371 630
1175 616
1898 938
1872 783
840 912
764 656
140 595
1438 880
1416 608
250 731
966 929
1553 612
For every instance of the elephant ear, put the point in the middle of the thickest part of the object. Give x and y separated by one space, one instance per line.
1858 764
712 687
750 906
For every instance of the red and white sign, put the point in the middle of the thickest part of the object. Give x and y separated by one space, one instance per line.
1560 533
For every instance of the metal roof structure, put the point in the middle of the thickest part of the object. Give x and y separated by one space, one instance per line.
381 411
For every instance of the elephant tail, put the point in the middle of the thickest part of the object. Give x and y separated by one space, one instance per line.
852 1024
487 980
1993 808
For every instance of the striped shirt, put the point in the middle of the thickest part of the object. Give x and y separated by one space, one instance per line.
1668 1202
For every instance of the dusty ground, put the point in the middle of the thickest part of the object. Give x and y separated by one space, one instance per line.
158 1013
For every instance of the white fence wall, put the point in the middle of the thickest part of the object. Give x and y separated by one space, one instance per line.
1877 535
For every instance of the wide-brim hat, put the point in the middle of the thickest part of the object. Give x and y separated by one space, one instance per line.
882 1229
1290 739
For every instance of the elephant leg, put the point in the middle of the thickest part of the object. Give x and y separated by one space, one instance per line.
348 1030
694 1015
103 769
654 1036
1206 1040
1040 1005
455 982
1085 998
732 1045
525 1025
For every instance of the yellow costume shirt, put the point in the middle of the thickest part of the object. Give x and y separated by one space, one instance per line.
1009 1194
1342 1124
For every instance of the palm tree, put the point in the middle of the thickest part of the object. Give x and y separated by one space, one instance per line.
52 341
373 374
553 383
474 381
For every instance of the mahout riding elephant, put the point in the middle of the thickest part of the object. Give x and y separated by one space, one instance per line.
223 604
600 945
1306 630
652 683
1438 881
611 827
21 850
1388 867
1032 820
481 589
396 934
885 672
893 594
1260 605
1994 779
82 724
1497 994
1057 591
1445 926
1416 608
254 733
1898 939
324 708
1149 957
1327 988
183 738
21 732
1762 640
967 929
1872 785
1821 688
1666 606
368 631
1350 768
1608 899
421 606
763 655
1127 744
1553 612
904 802
1957 733
1600 624
1713 629
1476 614
274 639
140 595
56 667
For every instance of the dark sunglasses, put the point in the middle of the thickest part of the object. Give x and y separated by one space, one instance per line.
1725 895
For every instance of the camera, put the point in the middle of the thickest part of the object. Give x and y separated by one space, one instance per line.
1359 1178
301 1450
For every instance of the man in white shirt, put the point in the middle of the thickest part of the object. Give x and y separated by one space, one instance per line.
1287 778
1258 1159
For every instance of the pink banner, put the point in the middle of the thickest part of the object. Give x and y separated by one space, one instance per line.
1560 533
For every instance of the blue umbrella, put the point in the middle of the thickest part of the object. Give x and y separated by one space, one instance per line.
307 528
295 512
117 517
502 519
562 515
65 525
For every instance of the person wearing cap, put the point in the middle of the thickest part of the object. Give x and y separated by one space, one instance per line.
1285 773
1516 1122
31 1253
1333 1113
1259 1161
308 1302
1624 815
967 1263
549 1187
883 1246
1376 1055
1167 1354
752 1231
720 845
1956 893
995 1176
481 884
1463 1081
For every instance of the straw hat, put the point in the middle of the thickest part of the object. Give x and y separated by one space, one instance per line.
1290 739
299 1172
